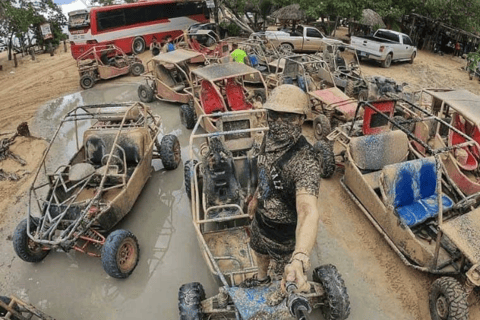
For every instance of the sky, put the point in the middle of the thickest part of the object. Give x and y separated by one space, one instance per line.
62 1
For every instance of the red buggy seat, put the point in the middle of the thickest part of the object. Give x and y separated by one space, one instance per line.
454 138
211 100
236 96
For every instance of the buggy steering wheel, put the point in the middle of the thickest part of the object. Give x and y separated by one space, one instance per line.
116 160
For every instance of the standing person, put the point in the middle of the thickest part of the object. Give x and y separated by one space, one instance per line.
168 45
457 49
284 206
238 55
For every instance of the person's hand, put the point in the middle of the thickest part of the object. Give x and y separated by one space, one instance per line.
294 273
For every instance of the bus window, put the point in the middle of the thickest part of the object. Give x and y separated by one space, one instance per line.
110 19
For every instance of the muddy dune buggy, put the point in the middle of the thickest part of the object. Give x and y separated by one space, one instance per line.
167 75
106 62
411 199
12 308
206 42
329 106
74 203
221 88
219 178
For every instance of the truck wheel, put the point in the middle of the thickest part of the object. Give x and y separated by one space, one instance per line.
448 300
190 296
187 116
137 69
170 152
414 54
145 93
337 302
25 248
325 155
321 127
286 48
387 62
86 81
120 254
350 88
138 45
188 176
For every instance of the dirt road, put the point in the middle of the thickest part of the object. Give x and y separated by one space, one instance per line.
74 286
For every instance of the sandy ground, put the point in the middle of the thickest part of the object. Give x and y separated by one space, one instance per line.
380 286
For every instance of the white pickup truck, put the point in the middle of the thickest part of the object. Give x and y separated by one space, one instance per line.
303 38
385 46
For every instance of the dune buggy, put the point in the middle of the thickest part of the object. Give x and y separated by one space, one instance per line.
12 308
74 202
106 62
167 75
206 42
412 200
219 178
220 88
329 105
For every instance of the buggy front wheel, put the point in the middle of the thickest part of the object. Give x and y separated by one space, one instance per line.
337 303
145 93
25 248
87 81
137 69
448 300
190 297
321 127
170 152
188 116
120 254
326 157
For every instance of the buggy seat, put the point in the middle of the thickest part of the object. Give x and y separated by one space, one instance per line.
211 100
98 144
410 188
454 138
236 96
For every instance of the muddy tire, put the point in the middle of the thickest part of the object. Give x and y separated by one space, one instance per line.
387 62
155 51
286 48
321 127
138 45
187 116
337 302
350 88
170 152
87 81
412 58
145 93
190 297
448 300
137 69
326 158
363 95
120 254
260 95
3 311
25 248
188 176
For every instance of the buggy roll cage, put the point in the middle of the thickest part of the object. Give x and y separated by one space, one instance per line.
108 117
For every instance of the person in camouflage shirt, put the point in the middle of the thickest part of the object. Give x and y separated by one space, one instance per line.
284 207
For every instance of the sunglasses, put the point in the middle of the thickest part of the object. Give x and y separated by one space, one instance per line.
285 116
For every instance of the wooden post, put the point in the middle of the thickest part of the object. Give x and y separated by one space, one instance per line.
64 46
15 59
32 53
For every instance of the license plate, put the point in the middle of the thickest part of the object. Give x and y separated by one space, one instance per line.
363 54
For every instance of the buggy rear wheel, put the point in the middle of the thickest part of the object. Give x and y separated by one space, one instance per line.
363 95
137 69
321 127
188 116
170 152
145 93
25 248
337 303
190 297
260 96
188 176
120 254
87 81
155 51
350 88
448 300
138 45
326 157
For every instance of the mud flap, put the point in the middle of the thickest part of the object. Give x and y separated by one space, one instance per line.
253 301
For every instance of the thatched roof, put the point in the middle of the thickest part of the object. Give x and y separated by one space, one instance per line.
371 18
291 12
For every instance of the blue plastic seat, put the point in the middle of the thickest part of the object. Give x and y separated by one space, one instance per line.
410 187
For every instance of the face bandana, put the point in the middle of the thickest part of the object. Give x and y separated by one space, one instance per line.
282 135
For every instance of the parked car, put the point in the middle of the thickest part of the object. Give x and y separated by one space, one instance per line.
385 46
303 38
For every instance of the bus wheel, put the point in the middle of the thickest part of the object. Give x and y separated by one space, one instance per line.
138 45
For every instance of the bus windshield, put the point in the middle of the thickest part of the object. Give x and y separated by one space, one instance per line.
78 20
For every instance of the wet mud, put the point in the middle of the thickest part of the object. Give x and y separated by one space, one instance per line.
74 286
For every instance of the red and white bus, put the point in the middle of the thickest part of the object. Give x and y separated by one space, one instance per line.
132 26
